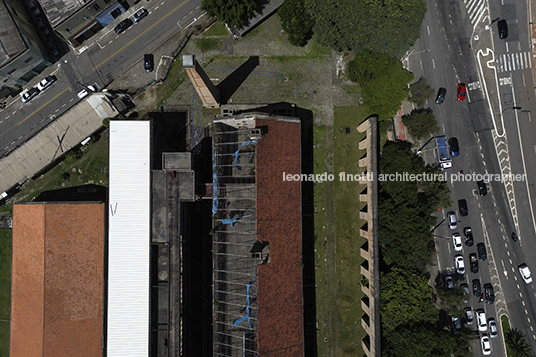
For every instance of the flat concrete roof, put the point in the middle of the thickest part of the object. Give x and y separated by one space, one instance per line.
44 148
11 42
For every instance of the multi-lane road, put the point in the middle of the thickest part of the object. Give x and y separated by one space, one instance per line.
459 43
97 62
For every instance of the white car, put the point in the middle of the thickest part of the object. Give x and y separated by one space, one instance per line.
46 82
486 345
84 92
452 219
481 320
525 273
460 264
457 242
492 325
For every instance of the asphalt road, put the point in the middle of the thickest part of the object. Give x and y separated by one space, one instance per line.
104 57
446 54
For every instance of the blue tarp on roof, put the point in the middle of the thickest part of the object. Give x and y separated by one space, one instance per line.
105 18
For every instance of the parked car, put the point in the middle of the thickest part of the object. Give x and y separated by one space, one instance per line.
489 293
462 205
466 293
461 93
441 93
525 273
85 92
452 219
29 94
456 324
46 82
473 261
486 345
460 265
468 233
481 320
503 29
122 26
140 14
482 189
468 315
477 289
481 249
454 147
32 7
148 62
449 282
492 325
457 242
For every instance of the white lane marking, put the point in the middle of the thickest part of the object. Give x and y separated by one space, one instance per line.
433 63
507 47
428 28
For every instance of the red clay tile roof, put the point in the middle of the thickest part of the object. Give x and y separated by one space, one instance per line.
280 290
57 280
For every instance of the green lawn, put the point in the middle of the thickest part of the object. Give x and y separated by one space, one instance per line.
5 289
218 29
337 236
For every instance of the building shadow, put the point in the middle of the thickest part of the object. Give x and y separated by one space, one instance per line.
233 81
84 193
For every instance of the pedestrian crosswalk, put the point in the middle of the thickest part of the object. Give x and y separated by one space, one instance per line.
477 10
509 62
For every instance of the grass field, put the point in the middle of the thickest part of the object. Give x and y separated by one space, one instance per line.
338 242
5 289
218 29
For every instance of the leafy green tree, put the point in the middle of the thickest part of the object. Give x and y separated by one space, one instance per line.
389 26
406 207
421 123
420 91
383 80
417 339
296 21
405 295
516 345
232 12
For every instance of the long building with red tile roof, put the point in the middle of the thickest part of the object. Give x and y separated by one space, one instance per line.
258 276
57 279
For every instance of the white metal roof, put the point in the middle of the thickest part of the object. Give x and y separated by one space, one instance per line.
129 229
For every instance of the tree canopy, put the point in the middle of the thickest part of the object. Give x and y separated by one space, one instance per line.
421 123
232 12
420 91
406 207
388 26
296 21
383 81
405 295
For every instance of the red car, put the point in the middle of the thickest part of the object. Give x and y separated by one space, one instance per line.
461 92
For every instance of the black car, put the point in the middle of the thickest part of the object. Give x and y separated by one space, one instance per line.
29 94
441 93
503 29
482 189
449 282
466 293
122 26
473 262
456 324
490 295
469 241
462 205
148 62
481 249
454 147
477 288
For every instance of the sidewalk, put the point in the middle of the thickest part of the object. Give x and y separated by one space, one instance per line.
401 132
